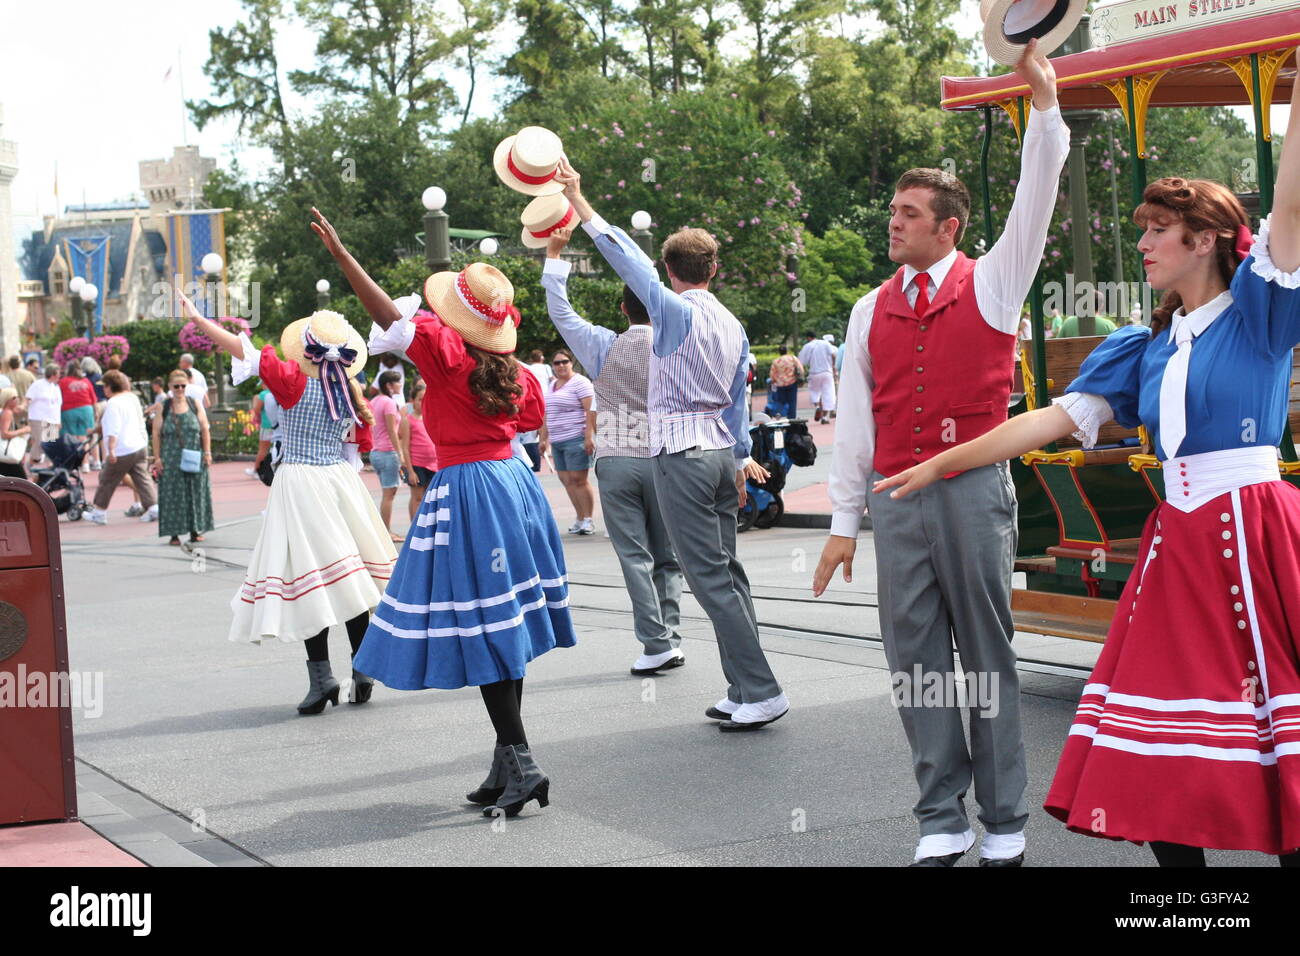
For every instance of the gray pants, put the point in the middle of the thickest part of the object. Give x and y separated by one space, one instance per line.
943 563
697 495
636 528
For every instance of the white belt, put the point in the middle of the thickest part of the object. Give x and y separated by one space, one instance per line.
1192 480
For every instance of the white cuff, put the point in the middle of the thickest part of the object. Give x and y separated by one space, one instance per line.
1263 264
743 463
398 336
1047 121
845 524
596 226
556 267
1089 413
242 369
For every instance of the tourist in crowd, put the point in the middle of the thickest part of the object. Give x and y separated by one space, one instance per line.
417 450
786 371
569 434
386 456
21 378
10 429
195 378
44 411
78 410
126 451
184 486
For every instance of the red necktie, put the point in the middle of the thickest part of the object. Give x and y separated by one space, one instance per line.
922 306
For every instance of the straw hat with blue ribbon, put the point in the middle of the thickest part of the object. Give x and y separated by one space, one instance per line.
325 343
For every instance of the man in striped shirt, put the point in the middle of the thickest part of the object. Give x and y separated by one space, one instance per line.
699 442
619 366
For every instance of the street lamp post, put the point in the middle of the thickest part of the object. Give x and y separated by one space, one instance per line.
322 293
74 293
437 247
88 296
641 234
212 265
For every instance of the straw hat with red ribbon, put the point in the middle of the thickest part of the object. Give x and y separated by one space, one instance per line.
543 216
325 346
527 161
478 303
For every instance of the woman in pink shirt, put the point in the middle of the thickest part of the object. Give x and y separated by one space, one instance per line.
417 450
386 457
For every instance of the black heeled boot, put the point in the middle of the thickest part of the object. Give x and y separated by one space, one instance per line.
323 688
490 790
524 781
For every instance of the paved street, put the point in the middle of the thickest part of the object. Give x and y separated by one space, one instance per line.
208 729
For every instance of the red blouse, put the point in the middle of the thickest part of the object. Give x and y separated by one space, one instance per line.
459 431
287 381
77 392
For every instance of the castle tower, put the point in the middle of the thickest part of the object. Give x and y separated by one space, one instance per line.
10 336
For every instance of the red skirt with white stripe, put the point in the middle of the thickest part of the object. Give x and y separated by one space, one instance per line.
1189 728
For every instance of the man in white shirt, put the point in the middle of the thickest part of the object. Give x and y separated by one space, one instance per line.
44 410
126 450
818 357
929 363
198 387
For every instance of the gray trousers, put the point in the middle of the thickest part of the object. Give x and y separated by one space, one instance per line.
636 528
697 495
943 563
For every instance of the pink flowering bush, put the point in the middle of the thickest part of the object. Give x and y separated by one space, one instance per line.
100 349
192 340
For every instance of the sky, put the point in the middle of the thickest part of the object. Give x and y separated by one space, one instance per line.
95 115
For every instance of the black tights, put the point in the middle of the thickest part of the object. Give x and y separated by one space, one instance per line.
503 700
1175 854
318 648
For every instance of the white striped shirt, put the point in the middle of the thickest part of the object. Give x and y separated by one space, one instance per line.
699 361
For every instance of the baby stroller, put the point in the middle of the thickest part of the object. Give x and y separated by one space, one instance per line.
777 446
61 480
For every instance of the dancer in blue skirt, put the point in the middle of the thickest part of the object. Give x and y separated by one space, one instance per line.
480 587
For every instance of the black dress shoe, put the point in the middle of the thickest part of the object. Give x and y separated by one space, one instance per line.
716 714
947 860
672 662
1013 861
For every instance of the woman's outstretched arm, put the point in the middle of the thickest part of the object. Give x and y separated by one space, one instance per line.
1012 438
1284 229
223 339
379 305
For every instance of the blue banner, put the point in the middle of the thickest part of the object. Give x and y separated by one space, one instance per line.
88 257
191 235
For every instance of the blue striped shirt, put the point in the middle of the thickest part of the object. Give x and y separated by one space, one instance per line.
699 360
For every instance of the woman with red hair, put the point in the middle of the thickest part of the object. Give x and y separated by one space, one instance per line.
1188 732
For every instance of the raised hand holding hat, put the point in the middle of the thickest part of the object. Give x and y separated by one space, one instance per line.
543 216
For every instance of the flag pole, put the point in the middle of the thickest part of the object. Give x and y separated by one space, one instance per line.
180 79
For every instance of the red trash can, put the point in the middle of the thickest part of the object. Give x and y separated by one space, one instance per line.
36 760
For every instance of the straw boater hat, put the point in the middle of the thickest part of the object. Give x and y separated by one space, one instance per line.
328 334
478 303
527 161
1010 24
543 216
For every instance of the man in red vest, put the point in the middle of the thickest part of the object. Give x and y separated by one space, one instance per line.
928 363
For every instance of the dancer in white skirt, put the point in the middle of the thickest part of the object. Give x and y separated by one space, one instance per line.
324 556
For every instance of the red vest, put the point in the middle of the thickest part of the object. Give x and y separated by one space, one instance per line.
940 380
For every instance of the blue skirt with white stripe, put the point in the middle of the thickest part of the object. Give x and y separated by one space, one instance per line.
480 587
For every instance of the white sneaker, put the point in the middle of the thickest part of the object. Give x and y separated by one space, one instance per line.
134 511
96 466
759 714
250 472
95 516
575 528
586 527
151 514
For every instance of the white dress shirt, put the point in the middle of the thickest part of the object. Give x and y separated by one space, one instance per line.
1002 280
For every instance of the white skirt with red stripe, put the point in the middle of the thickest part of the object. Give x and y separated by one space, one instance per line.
1189 728
323 557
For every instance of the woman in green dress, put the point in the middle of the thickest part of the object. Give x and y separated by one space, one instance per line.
184 498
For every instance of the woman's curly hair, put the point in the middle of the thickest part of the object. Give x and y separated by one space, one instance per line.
493 381
1199 204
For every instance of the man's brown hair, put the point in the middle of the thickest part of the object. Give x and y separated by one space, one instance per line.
691 254
950 199
116 381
